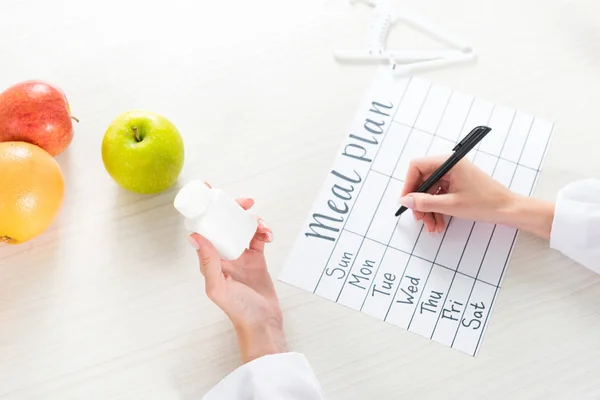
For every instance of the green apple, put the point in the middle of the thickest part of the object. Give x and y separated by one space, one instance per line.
143 152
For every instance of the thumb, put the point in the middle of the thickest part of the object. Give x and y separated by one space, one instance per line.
425 202
210 262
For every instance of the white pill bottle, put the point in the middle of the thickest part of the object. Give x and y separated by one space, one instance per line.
216 216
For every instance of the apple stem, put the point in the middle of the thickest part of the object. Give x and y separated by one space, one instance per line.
75 119
137 135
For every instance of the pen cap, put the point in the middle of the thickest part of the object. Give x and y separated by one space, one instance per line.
474 136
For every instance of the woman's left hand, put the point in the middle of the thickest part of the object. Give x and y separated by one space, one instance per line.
243 289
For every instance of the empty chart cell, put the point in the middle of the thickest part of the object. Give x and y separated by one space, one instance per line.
417 145
476 247
381 293
384 223
429 243
431 302
440 146
433 108
367 201
517 136
486 162
454 307
391 149
408 292
363 271
455 116
497 254
537 143
523 180
472 324
505 170
454 243
412 101
500 122
406 232
338 266
480 113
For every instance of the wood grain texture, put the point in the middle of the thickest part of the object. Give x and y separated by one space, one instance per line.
109 303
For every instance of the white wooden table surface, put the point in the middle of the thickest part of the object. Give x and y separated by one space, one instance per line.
109 303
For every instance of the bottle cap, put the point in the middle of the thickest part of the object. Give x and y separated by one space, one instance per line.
193 199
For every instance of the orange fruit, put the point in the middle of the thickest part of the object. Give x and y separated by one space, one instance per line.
32 190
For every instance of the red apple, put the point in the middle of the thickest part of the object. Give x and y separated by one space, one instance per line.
36 112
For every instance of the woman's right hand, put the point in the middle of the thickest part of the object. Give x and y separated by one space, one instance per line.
468 192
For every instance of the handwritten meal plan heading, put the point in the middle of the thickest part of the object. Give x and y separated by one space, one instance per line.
353 251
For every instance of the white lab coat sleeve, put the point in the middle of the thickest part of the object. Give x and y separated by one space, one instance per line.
576 225
286 376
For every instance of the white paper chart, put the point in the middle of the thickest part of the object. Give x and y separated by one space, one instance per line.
353 251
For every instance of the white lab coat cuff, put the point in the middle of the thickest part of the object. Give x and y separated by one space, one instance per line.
576 225
285 376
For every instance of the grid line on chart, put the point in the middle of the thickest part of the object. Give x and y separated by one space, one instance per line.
545 151
376 208
483 151
421 258
387 246
503 269
442 287
470 233
421 230
363 239
445 231
511 182
361 187
488 246
513 177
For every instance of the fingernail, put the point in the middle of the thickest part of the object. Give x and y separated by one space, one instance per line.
269 236
194 243
408 202
262 223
